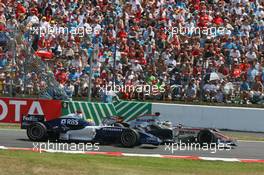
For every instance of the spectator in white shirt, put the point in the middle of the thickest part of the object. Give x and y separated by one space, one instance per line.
235 54
251 55
137 67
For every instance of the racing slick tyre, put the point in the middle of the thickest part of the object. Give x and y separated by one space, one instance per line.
206 136
37 132
129 138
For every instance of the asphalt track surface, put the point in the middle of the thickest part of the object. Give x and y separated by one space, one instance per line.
244 150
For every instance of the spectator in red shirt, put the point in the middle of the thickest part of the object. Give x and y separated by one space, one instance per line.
218 20
62 76
223 69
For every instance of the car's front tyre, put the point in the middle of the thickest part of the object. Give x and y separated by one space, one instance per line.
206 137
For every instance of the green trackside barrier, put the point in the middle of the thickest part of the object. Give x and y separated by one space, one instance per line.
98 111
94 111
132 109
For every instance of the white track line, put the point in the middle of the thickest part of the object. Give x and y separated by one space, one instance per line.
220 159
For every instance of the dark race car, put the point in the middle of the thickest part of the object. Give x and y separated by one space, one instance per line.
151 124
73 128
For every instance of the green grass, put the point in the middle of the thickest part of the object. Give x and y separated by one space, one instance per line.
32 163
9 126
245 135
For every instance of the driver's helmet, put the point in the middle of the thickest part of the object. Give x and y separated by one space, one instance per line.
90 122
119 119
79 114
112 120
179 125
167 124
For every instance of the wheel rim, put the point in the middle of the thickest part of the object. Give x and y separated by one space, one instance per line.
128 139
35 132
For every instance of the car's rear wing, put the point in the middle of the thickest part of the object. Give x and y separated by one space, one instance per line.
29 119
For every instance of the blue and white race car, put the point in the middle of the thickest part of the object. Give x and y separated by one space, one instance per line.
73 127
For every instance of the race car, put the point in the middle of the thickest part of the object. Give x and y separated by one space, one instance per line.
73 127
168 133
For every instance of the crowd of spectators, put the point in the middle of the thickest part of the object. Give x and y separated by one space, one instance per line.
132 42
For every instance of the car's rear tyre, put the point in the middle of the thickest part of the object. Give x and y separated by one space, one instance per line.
37 132
129 138
206 137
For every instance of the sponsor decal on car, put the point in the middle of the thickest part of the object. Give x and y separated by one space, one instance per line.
30 118
145 120
69 122
112 129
